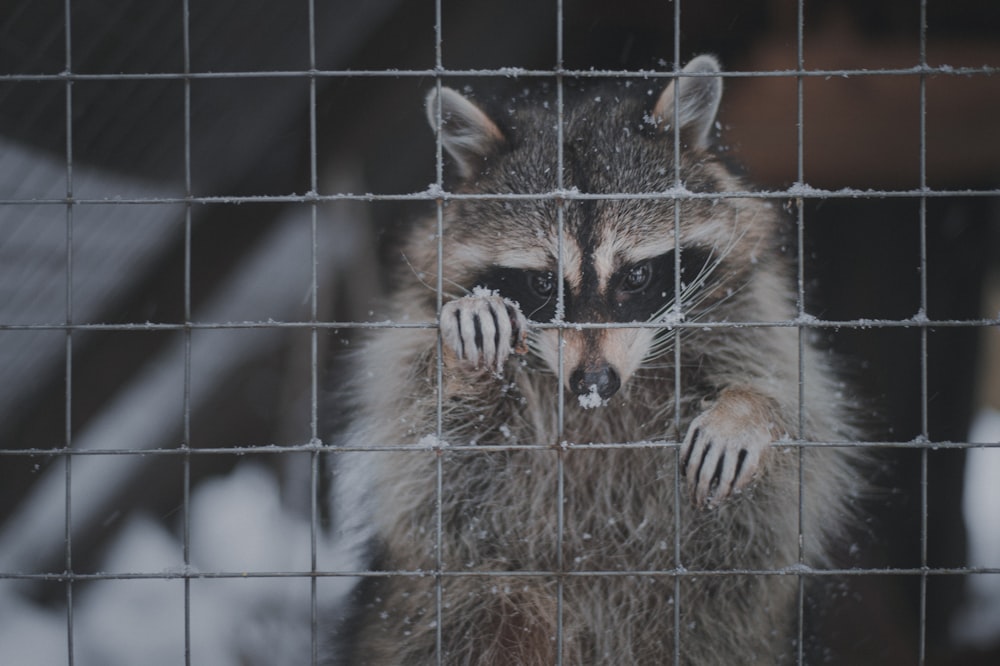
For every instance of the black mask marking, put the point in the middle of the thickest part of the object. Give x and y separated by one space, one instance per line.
534 291
635 292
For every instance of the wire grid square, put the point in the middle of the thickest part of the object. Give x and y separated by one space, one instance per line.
922 82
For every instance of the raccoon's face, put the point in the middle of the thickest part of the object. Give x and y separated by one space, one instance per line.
601 264
602 287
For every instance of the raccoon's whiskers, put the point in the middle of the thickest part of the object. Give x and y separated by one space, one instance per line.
701 288
662 343
419 276
730 293
663 340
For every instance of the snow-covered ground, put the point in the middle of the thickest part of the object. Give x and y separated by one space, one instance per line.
237 525
979 622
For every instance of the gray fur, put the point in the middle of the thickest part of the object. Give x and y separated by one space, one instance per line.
696 99
502 595
466 132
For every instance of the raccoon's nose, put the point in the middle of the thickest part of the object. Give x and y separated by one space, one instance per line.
601 375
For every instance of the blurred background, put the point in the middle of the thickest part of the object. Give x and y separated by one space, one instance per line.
134 199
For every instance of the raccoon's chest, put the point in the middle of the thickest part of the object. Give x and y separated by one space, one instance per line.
585 420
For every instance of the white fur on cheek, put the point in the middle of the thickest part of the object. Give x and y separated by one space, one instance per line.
626 349
546 344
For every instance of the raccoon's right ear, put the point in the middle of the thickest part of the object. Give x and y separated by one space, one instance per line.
697 99
467 133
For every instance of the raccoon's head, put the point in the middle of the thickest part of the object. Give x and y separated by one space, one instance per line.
618 256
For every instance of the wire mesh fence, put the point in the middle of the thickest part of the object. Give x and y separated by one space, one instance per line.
197 203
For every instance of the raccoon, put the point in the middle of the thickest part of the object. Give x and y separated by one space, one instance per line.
578 464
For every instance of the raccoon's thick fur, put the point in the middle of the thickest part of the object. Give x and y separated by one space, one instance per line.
637 522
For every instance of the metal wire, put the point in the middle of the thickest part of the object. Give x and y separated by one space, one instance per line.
187 332
270 449
504 72
918 321
800 224
439 370
314 460
69 335
924 430
675 123
560 359
797 191
677 572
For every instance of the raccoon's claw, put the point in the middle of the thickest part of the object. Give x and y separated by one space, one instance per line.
483 329
722 453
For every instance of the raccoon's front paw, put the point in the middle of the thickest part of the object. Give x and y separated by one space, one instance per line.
725 447
483 330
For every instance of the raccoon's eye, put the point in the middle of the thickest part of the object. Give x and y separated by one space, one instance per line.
543 285
534 291
638 278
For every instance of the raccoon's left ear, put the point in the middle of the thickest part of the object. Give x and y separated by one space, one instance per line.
467 133
697 99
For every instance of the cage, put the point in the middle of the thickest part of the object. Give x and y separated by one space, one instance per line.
197 203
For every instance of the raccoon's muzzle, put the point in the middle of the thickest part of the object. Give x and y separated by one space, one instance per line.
600 375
